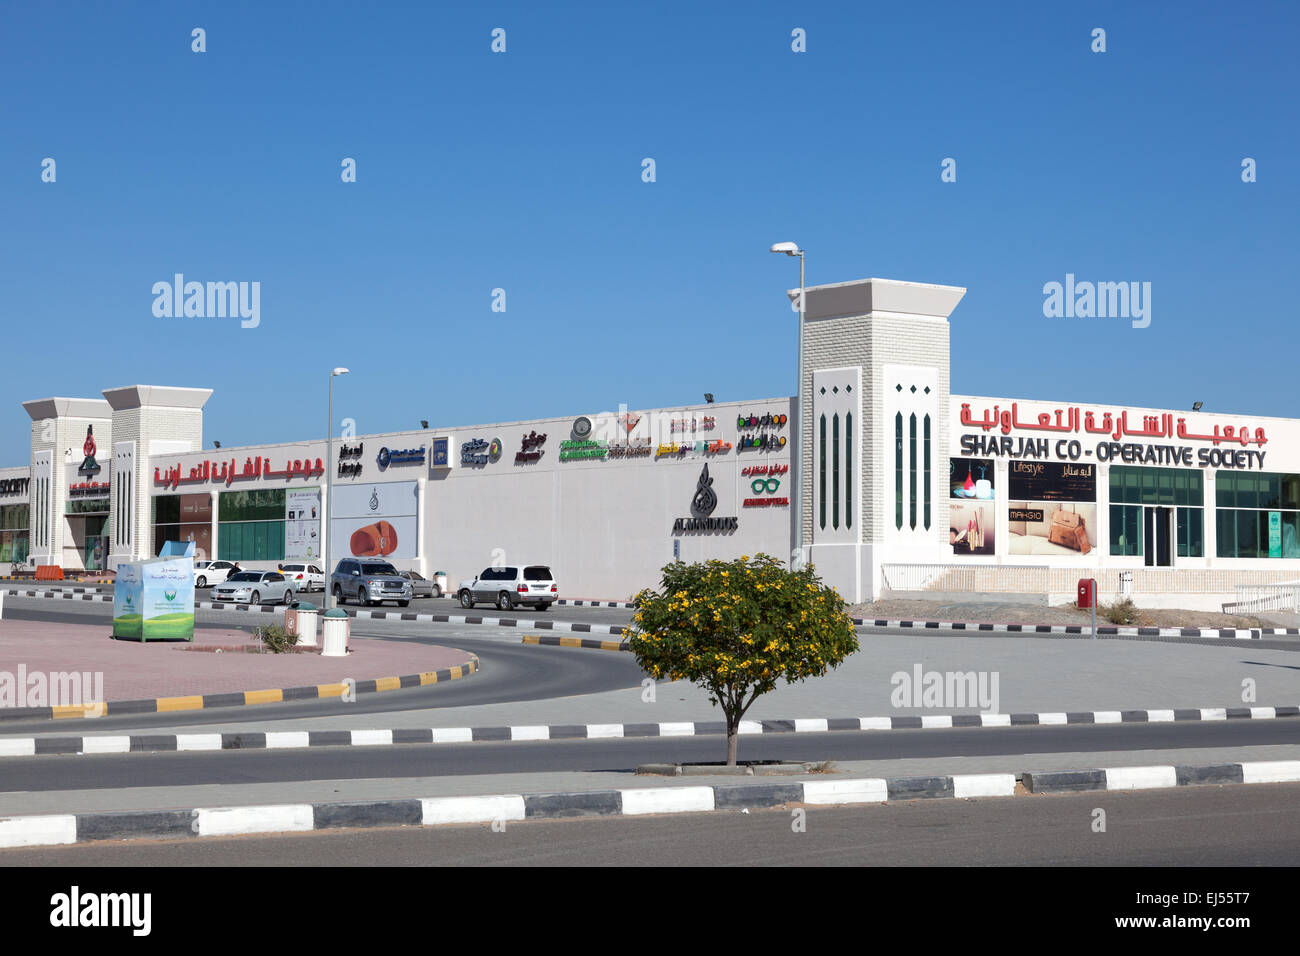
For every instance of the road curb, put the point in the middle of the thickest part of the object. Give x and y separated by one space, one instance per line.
1109 630
499 809
15 746
142 743
549 641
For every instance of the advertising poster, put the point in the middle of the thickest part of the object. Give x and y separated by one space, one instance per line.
375 521
1051 508
971 518
154 600
970 478
302 523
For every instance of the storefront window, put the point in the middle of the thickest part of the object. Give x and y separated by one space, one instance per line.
1125 529
251 525
1258 515
1191 533
14 520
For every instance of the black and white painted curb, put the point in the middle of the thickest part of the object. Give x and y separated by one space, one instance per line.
618 630
622 604
1148 778
295 739
60 829
1109 630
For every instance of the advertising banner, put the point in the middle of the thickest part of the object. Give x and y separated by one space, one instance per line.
375 520
154 599
1051 481
302 523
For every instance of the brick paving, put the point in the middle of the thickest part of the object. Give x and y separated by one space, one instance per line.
134 671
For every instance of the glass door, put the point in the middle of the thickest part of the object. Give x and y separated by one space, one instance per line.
1158 538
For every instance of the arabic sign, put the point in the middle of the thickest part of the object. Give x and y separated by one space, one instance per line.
530 449
703 503
1072 420
254 469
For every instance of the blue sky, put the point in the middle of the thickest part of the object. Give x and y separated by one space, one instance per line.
522 171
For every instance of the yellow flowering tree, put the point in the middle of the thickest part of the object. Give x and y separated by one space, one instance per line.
737 627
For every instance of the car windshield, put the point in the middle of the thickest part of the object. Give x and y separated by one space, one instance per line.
377 567
246 576
537 573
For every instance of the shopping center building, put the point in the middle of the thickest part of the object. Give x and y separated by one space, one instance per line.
905 487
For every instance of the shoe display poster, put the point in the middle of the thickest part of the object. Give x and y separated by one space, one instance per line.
379 520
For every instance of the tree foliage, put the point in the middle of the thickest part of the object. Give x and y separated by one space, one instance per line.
735 628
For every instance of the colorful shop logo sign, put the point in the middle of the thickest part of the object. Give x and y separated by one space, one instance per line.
530 449
761 421
673 449
170 595
763 441
703 503
88 465
583 450
768 486
477 451
705 423
403 456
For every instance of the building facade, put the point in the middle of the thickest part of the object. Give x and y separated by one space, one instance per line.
906 488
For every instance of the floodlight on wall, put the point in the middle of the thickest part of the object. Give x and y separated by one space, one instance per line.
708 397
424 423
1196 406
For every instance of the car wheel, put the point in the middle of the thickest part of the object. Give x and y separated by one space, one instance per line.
544 606
504 601
361 597
288 595
338 596
256 598
436 592
403 603
466 601
201 583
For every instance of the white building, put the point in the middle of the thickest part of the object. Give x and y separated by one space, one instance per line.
905 487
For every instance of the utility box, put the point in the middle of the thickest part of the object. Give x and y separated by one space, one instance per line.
1087 592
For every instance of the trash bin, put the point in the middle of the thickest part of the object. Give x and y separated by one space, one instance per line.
300 619
334 633
440 579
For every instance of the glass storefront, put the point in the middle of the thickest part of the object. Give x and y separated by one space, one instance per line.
14 543
1133 490
251 525
1258 515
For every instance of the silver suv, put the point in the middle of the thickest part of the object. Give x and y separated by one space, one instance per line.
530 584
369 582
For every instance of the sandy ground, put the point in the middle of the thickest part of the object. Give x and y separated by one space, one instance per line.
994 613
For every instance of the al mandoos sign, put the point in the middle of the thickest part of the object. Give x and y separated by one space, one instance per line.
703 503
1145 451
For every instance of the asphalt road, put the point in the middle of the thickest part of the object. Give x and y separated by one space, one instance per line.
509 672
119 771
1188 827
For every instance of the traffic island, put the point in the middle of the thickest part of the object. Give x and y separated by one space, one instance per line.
55 670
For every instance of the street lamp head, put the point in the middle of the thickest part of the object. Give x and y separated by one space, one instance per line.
339 371
1196 406
789 248
708 397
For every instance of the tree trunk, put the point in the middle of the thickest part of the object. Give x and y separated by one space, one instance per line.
733 737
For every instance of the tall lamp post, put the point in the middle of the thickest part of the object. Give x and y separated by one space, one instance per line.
792 249
329 487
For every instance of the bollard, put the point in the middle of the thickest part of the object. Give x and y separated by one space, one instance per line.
334 633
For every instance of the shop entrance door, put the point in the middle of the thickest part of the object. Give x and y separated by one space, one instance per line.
96 547
1157 552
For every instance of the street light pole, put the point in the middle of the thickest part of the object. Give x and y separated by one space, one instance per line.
792 249
329 488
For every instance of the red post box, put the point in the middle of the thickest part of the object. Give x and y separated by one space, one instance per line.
1087 592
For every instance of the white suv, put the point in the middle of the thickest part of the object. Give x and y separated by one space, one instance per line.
531 584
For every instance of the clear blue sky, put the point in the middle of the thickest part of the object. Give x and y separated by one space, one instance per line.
523 171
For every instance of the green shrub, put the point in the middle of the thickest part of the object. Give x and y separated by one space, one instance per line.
1121 612
277 639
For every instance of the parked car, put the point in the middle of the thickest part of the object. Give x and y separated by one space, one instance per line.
369 582
304 577
254 587
531 584
208 573
422 586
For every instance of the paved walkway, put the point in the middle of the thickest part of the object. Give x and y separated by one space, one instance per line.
132 670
